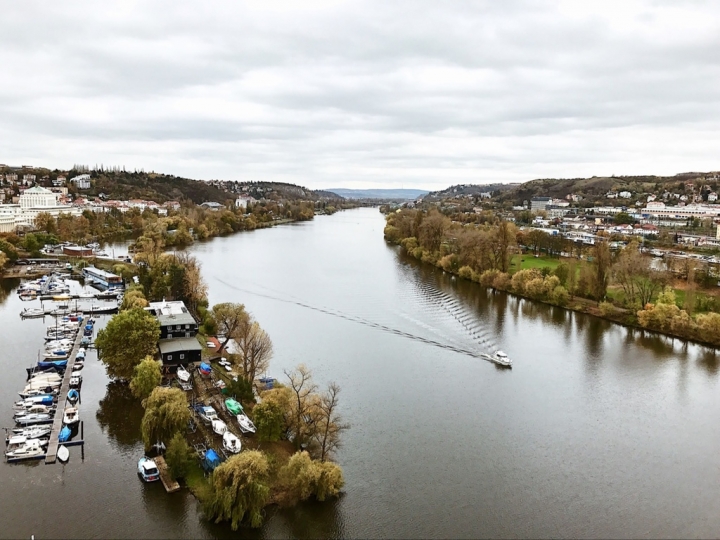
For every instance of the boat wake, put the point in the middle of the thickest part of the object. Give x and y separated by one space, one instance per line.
335 313
466 318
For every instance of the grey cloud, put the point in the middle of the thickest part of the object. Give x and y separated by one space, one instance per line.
363 93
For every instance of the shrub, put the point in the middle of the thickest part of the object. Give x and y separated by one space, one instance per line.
606 309
178 456
465 272
488 277
502 281
560 296
269 421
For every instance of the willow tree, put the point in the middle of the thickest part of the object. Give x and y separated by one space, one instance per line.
147 377
166 413
239 489
129 337
302 478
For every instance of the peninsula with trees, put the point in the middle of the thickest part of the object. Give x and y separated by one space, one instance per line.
298 426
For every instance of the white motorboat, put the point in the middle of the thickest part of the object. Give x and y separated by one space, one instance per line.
78 367
44 377
183 374
75 380
231 443
35 409
63 454
29 449
32 312
23 406
71 416
246 425
207 414
35 418
35 432
18 441
499 358
219 426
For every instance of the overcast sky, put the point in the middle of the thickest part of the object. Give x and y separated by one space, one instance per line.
363 94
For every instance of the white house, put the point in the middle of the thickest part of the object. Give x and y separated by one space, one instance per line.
712 196
82 181
243 200
624 194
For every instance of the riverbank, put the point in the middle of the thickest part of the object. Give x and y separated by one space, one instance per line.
487 255
600 310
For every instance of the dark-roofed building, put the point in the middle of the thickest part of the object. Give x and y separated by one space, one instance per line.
179 350
178 328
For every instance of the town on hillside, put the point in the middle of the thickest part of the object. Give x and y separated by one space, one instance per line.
26 192
681 211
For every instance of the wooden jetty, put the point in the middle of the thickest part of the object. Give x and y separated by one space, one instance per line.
51 454
171 486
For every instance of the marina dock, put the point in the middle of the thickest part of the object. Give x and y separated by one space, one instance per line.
51 454
171 486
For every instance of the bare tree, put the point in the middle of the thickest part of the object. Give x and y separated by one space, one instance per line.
229 318
303 390
194 285
255 346
328 422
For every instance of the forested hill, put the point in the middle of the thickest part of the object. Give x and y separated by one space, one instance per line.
164 187
589 189
152 186
158 187
596 187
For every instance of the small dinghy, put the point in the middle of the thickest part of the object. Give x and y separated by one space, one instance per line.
246 425
219 427
63 454
65 434
231 443
71 416
73 395
183 374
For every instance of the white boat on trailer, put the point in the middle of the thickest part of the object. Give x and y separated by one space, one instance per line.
246 425
231 443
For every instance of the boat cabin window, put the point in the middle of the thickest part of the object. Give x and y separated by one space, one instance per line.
182 357
169 357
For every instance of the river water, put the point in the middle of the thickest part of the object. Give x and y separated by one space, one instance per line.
597 431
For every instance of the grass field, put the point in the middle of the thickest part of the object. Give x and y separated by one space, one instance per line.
528 260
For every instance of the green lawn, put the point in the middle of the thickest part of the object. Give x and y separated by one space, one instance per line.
528 260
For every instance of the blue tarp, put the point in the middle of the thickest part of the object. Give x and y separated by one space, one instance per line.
54 363
205 368
212 460
65 434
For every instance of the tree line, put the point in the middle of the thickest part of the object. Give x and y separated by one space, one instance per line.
624 286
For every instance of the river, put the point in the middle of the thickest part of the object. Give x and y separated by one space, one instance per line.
597 431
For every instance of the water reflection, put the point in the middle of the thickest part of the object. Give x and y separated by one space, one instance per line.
120 414
7 286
